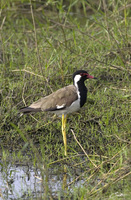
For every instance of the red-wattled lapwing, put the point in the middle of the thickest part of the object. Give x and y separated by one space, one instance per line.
65 100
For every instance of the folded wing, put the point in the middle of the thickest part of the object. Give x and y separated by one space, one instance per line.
58 100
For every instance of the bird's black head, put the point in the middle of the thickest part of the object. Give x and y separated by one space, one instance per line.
81 75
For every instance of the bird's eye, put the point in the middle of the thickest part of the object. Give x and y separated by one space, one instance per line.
83 74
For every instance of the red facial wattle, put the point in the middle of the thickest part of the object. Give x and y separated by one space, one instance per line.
87 76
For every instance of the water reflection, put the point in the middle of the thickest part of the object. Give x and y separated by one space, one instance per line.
24 182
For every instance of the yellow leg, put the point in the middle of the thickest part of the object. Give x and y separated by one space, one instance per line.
64 119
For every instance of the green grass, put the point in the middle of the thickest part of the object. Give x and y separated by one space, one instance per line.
39 51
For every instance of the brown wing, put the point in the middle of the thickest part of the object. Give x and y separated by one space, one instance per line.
58 100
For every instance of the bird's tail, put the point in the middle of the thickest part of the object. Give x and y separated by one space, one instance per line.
26 110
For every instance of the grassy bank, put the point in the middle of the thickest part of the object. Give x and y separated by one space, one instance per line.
41 45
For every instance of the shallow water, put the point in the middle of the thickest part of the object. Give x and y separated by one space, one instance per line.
18 182
26 182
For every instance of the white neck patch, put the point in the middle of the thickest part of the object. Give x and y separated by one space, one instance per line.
76 79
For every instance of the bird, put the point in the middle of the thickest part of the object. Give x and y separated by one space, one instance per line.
66 100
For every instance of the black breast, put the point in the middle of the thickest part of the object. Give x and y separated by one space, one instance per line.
83 93
83 97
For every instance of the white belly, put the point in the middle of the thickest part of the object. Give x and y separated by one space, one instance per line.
75 106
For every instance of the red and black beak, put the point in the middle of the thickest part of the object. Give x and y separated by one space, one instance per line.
89 76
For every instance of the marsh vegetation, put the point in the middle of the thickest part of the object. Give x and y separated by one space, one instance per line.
41 44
